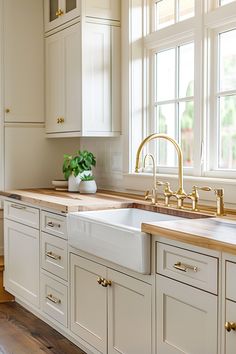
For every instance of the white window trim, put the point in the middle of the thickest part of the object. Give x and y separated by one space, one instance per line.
140 182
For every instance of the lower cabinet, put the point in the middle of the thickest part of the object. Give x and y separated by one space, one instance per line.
186 319
22 261
110 310
230 339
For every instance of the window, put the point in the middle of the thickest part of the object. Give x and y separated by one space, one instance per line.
174 101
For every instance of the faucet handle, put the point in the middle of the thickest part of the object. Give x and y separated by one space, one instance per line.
219 192
206 189
147 195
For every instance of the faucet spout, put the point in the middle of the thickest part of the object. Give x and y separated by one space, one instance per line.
180 194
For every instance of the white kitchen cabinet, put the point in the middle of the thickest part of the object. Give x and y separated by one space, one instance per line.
23 61
21 249
63 81
126 302
107 9
58 12
230 316
95 109
186 319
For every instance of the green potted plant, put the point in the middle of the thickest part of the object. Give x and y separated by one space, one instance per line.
77 166
87 185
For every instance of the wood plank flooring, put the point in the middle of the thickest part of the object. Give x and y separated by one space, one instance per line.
23 333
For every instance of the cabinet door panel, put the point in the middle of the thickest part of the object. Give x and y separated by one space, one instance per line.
23 61
230 340
97 78
88 302
129 315
109 9
70 9
186 319
22 261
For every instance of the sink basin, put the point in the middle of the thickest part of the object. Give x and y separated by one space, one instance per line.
115 235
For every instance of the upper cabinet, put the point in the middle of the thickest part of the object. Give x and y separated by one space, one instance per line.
23 58
83 70
58 12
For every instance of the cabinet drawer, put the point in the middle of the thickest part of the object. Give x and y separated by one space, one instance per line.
230 337
189 267
54 224
230 281
54 255
22 214
54 299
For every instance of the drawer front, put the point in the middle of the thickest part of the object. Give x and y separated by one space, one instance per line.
54 224
230 321
54 299
21 213
54 255
189 267
230 281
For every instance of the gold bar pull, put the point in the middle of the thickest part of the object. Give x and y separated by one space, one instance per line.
230 326
184 267
53 299
53 224
20 207
100 280
53 256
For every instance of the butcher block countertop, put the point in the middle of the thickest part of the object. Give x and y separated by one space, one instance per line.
213 233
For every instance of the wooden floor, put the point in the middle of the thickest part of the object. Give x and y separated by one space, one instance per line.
23 333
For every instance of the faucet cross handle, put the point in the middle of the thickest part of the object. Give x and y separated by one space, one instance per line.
220 210
167 191
153 196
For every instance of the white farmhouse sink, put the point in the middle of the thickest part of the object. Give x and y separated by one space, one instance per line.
115 235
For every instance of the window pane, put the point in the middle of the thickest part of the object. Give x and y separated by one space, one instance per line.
186 9
186 117
227 133
224 2
165 75
165 13
227 56
166 124
186 70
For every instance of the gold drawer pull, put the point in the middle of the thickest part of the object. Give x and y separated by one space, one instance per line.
59 12
230 326
53 224
20 207
185 267
106 283
100 280
53 299
53 256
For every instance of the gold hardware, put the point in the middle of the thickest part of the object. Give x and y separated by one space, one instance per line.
194 196
106 283
168 193
60 120
53 256
53 299
53 224
180 194
230 326
184 267
154 195
59 13
20 207
7 110
220 210
100 280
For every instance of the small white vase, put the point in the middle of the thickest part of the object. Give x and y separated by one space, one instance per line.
88 187
73 183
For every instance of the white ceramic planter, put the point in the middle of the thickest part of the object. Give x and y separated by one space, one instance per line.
88 187
73 183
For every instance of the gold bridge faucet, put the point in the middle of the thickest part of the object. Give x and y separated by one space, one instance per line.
180 193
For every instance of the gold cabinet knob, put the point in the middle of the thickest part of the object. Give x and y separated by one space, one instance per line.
99 280
59 13
230 326
106 283
60 120
7 110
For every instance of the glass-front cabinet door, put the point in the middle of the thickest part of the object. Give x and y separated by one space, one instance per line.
57 12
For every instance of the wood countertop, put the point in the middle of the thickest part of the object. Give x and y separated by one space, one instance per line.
213 233
67 202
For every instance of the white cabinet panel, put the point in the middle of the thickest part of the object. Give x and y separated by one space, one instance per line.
22 261
97 78
107 9
230 340
63 81
186 319
23 61
230 281
21 213
88 302
129 315
54 224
